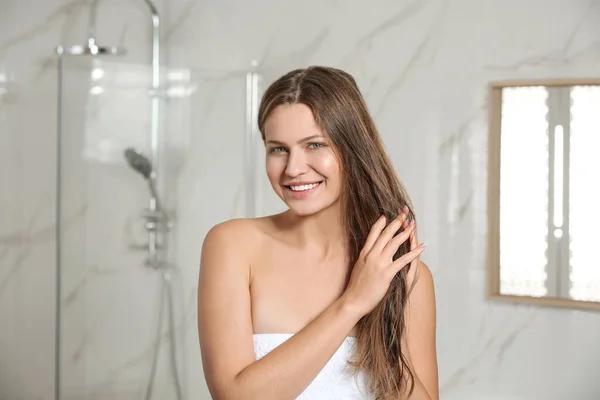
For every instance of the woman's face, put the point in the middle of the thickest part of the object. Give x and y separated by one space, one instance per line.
301 165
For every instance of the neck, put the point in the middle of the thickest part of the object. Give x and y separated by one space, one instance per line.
321 233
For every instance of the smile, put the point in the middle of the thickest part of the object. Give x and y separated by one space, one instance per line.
303 188
303 191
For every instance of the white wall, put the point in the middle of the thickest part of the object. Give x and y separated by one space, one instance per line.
423 67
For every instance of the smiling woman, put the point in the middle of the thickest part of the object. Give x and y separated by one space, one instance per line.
287 301
300 166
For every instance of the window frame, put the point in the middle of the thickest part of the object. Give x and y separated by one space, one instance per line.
495 89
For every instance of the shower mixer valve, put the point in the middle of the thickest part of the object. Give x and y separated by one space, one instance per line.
157 222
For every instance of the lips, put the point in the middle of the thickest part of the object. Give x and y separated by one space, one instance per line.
303 189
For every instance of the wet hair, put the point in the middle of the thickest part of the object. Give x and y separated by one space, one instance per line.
370 188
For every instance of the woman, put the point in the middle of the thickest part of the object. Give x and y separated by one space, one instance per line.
327 300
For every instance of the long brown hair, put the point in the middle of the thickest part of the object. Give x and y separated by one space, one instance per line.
370 188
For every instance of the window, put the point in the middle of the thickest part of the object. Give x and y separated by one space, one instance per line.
524 191
547 179
584 194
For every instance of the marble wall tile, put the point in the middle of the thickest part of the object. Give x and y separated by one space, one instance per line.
423 67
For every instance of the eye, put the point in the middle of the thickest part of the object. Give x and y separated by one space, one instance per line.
315 145
278 149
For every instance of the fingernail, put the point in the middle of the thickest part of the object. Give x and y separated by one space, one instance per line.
405 208
422 246
412 223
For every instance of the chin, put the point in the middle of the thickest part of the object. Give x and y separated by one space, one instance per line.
306 209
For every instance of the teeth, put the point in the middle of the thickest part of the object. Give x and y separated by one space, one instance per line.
304 187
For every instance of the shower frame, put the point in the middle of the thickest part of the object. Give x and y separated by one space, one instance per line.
92 49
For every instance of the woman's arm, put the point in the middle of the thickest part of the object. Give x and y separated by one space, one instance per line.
226 333
420 333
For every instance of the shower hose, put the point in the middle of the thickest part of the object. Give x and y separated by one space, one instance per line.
166 294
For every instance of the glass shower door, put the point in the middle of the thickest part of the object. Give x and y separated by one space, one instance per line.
109 299
112 345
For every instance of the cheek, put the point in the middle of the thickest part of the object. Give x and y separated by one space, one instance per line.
328 165
274 167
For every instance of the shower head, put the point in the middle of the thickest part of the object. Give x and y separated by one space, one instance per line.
138 162
143 166
91 48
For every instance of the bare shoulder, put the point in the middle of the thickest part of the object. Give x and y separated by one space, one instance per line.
224 318
239 235
238 240
421 328
421 302
420 278
231 231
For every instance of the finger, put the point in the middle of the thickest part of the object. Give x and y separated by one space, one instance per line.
413 245
406 259
416 236
388 233
406 210
394 244
405 223
413 239
374 234
391 229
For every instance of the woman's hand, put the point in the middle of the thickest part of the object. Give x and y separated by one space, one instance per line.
375 269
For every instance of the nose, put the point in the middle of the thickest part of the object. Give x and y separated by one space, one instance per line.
296 164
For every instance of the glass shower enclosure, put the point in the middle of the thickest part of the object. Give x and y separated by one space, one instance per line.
126 325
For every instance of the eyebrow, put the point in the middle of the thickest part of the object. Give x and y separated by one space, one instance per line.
306 139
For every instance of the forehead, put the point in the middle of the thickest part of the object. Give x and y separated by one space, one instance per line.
291 123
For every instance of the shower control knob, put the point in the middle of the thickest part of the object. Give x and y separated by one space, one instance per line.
156 220
151 225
